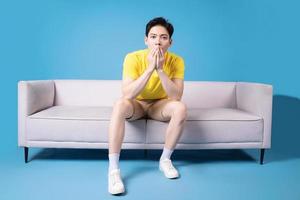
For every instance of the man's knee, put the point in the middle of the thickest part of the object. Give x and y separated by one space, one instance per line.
123 106
180 111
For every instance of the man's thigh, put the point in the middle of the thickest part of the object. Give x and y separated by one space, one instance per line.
161 110
138 110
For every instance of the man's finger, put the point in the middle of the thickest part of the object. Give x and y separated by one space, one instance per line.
160 52
156 51
157 60
152 52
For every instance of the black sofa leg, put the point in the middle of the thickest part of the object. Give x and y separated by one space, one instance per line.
26 154
262 154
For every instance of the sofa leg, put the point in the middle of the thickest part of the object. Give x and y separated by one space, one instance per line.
262 154
26 154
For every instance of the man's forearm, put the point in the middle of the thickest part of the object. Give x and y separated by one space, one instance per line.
134 89
170 88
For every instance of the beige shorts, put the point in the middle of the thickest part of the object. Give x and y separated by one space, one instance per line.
149 109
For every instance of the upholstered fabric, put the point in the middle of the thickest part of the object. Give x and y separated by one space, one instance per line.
73 114
33 96
86 92
209 94
90 124
257 98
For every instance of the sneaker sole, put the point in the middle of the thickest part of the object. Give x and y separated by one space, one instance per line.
116 192
169 177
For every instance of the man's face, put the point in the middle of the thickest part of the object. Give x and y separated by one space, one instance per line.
158 37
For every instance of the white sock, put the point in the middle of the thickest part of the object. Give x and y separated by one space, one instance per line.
113 161
166 154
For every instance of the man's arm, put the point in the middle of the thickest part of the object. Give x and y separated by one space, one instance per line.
132 88
173 88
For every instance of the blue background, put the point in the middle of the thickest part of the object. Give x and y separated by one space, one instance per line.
220 40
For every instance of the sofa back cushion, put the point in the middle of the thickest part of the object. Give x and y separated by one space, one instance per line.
197 94
204 94
87 92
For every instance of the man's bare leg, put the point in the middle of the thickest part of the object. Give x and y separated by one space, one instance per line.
175 111
123 109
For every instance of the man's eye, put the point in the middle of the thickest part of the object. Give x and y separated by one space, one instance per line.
152 37
165 38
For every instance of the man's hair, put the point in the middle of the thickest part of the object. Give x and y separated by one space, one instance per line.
162 22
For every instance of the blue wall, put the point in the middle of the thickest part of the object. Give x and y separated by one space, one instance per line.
220 40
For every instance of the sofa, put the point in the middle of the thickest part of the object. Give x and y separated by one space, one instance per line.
76 114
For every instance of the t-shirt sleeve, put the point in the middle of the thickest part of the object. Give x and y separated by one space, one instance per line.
130 67
178 67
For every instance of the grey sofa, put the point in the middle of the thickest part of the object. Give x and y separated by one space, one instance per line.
76 114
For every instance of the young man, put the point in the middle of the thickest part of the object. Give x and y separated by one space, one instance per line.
152 86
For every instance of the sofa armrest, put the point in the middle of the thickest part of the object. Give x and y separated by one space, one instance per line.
257 98
33 96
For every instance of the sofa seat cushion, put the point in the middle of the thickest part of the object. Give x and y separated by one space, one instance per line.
79 124
218 114
74 113
217 125
90 124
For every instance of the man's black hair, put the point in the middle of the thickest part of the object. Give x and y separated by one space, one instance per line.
162 22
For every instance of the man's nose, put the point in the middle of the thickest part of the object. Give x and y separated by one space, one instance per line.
157 41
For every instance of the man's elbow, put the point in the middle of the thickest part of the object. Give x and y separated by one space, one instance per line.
175 98
126 95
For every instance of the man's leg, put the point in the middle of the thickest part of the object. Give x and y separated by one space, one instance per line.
123 109
175 112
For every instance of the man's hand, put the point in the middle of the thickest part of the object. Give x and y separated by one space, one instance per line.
160 59
156 59
152 59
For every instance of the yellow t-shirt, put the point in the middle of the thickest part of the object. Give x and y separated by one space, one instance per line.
136 63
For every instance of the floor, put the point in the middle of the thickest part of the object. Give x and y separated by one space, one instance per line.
205 174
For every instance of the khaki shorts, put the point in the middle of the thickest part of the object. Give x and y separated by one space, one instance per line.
149 109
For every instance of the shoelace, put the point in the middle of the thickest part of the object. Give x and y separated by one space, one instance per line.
170 166
115 179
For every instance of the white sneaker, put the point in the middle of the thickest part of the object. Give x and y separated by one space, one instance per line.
168 169
115 183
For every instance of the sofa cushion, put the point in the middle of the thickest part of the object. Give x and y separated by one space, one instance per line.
74 113
218 125
79 124
90 124
216 114
206 94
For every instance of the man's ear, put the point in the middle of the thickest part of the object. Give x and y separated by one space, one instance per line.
171 41
146 40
